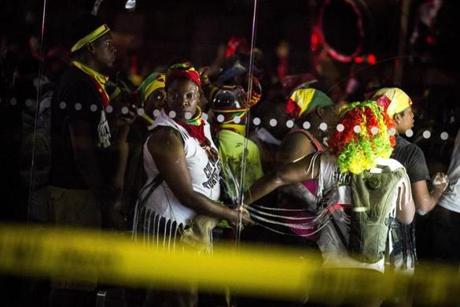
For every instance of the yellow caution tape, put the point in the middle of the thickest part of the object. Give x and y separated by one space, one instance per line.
82 255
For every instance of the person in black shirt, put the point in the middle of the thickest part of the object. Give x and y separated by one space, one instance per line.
82 189
398 106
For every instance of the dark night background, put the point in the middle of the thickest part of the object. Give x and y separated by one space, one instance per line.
159 32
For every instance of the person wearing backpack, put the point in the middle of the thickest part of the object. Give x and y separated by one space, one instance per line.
398 106
359 188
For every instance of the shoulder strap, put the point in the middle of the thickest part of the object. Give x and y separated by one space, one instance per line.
319 147
338 230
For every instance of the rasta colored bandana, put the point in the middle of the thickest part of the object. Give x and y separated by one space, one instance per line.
153 82
305 100
183 71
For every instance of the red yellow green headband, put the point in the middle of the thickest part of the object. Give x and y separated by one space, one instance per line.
304 100
153 82
183 70
90 37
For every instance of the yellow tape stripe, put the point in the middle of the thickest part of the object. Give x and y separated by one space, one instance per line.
116 259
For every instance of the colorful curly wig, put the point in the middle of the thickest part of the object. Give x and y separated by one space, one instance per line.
365 137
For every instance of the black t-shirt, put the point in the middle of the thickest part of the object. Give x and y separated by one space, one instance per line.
76 99
412 158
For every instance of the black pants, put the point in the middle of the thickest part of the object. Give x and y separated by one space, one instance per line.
444 226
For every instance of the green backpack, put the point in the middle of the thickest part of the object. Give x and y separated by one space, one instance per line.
370 218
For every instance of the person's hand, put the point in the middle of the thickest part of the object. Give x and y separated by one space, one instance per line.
440 182
245 216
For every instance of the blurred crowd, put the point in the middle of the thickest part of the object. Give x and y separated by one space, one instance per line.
221 152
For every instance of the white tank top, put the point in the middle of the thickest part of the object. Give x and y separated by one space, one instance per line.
205 175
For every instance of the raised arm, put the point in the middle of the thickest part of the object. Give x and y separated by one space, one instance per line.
166 147
297 171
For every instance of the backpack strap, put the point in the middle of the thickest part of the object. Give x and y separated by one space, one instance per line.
319 147
387 243
338 231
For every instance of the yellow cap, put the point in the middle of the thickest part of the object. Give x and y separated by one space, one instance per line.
398 100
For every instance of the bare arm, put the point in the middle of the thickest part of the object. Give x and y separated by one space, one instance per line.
425 200
167 149
293 147
294 172
405 208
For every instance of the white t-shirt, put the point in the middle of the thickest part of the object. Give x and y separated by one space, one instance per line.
204 173
330 187
451 197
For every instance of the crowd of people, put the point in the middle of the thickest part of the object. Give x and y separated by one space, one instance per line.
190 155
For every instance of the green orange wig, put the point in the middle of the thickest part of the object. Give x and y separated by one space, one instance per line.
365 132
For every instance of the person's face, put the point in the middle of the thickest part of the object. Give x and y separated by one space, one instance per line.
404 120
330 116
156 101
104 51
183 97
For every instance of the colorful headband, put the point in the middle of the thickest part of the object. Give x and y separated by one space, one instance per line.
185 71
393 100
153 82
305 100
364 138
90 37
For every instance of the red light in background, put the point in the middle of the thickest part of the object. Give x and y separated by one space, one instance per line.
371 59
430 40
315 39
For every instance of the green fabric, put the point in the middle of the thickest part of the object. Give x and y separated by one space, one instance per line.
231 145
320 100
372 204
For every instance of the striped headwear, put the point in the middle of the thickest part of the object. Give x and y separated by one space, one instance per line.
304 100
